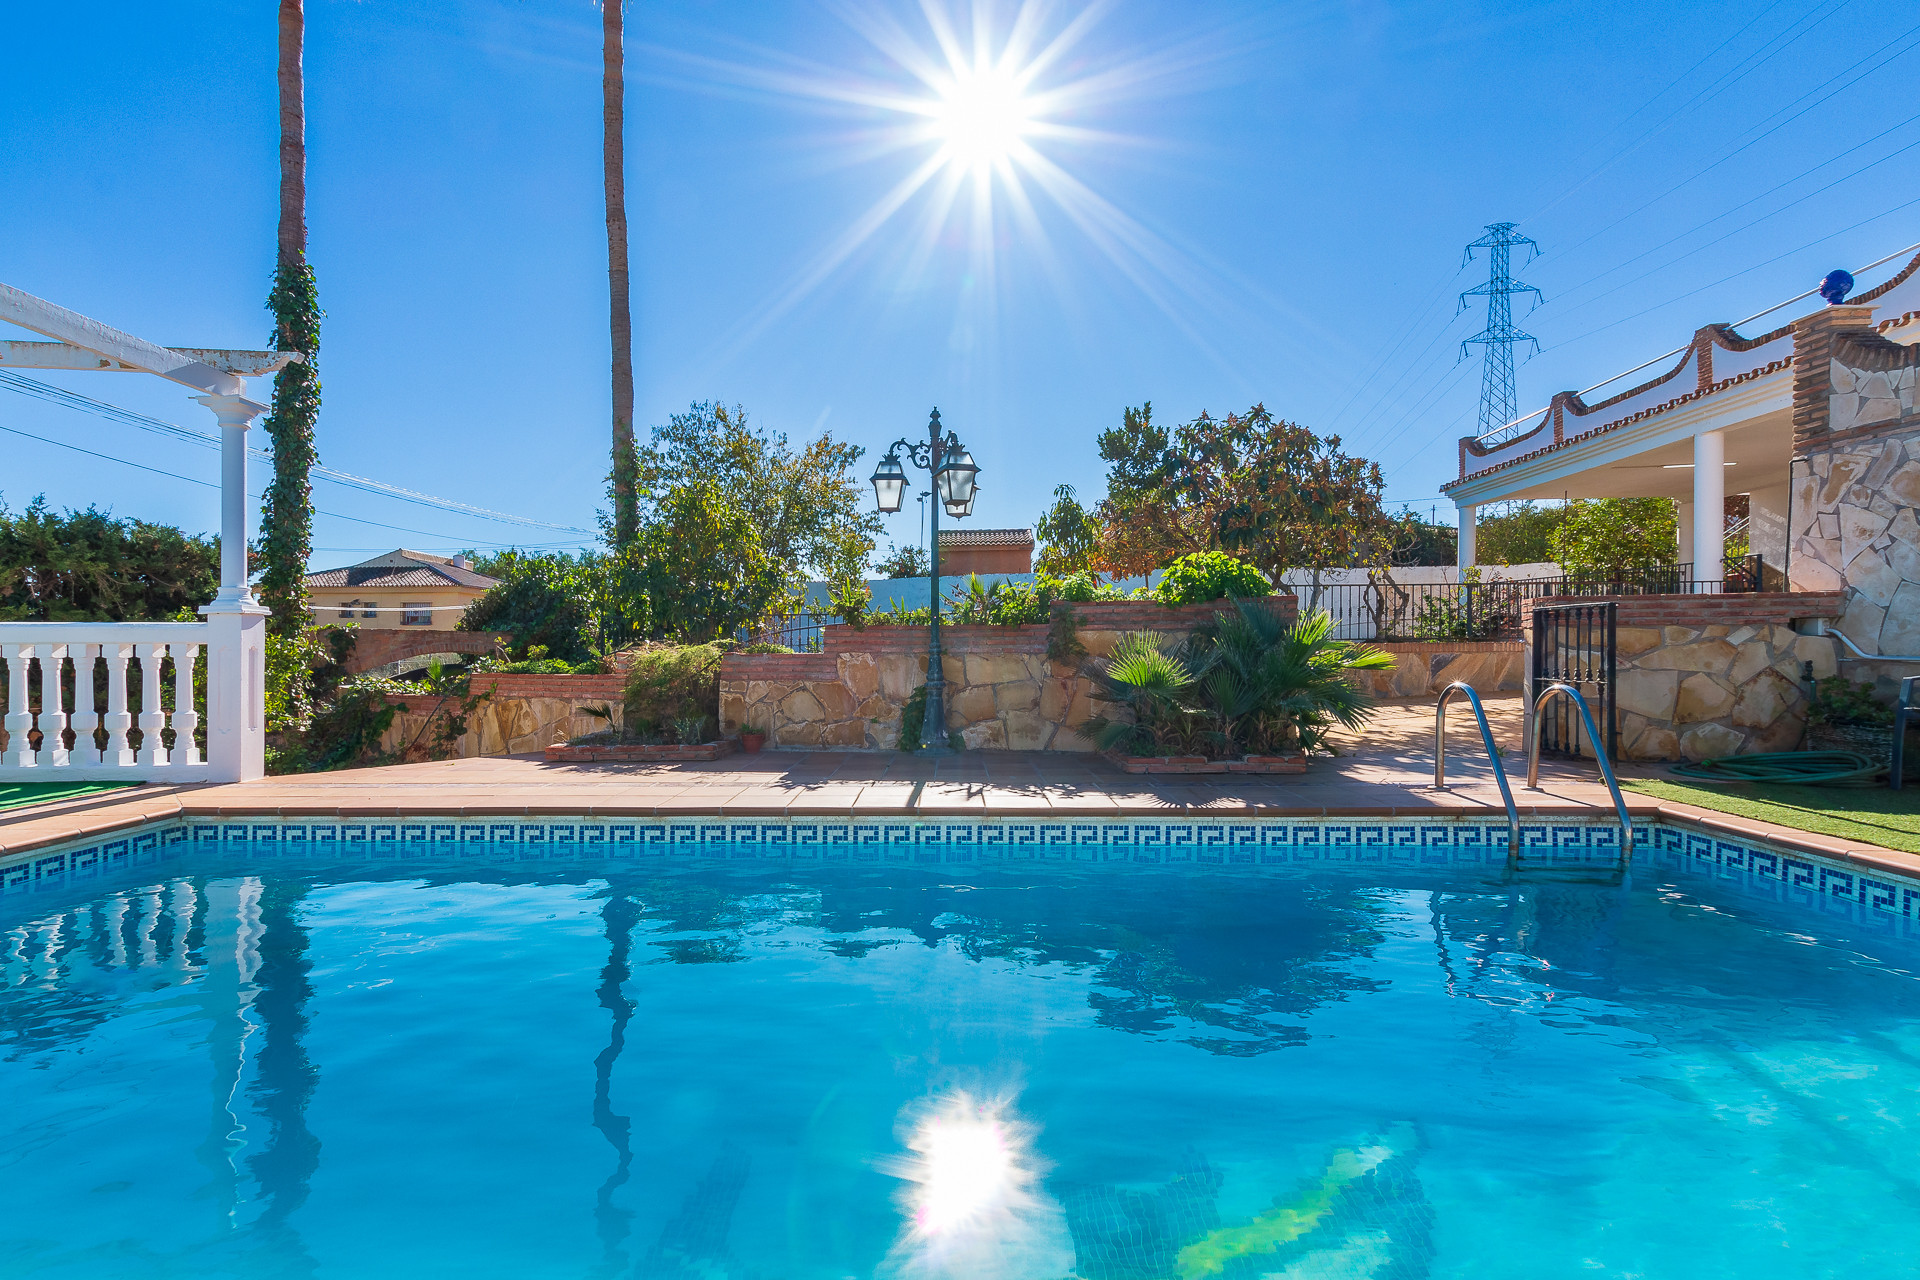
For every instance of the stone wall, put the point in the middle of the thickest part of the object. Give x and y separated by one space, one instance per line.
1710 676
1422 668
1856 498
502 725
1002 689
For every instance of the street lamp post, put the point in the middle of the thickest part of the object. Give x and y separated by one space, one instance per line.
954 484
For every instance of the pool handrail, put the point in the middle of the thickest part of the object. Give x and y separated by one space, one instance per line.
1599 754
1897 763
1493 757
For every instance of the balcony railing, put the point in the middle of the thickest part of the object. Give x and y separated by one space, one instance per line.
66 687
1489 610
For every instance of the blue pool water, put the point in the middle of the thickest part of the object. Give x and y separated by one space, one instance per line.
230 1066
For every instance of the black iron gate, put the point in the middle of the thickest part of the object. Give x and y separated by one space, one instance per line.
1574 644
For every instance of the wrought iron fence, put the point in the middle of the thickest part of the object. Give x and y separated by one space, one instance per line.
1575 644
800 632
1386 610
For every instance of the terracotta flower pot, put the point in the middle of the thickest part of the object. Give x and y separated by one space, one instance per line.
752 742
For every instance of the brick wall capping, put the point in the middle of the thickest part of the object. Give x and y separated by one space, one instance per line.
512 685
1756 608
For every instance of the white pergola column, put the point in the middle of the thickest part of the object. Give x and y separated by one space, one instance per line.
237 649
1683 530
1467 546
1710 508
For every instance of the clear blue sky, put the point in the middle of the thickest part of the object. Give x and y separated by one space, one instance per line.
1241 202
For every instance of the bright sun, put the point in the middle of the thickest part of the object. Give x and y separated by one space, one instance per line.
981 117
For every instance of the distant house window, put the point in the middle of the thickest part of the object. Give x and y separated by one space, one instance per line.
416 614
367 610
346 610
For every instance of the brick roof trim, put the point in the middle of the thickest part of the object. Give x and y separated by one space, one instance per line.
986 537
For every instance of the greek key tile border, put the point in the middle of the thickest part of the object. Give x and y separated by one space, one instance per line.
1829 888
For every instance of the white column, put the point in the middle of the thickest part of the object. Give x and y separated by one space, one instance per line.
185 718
1683 530
19 718
153 752
236 656
53 710
1468 546
119 719
1709 507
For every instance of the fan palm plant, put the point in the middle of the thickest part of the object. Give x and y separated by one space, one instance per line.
1276 686
1144 675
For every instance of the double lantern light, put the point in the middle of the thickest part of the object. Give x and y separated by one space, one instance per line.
954 475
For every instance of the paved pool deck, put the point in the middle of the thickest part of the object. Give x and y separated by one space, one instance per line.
1385 772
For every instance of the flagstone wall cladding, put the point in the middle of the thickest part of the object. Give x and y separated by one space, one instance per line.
1856 498
1712 676
504 725
1423 668
1002 689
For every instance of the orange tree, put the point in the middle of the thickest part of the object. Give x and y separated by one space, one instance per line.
1266 490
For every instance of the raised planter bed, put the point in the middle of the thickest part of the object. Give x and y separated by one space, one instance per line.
1296 763
636 752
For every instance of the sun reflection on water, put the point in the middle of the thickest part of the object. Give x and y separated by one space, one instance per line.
973 1204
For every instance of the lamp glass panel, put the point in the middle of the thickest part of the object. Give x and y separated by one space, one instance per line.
889 484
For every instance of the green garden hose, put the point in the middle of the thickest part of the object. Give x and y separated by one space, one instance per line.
1798 768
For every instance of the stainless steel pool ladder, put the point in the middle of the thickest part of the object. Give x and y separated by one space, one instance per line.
1599 754
1493 758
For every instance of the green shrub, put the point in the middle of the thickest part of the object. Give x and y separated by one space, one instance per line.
343 731
539 606
1210 575
850 599
1838 700
670 683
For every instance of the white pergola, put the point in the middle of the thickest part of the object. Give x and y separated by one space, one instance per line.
233 634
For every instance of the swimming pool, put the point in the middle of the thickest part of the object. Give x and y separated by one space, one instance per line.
327 1058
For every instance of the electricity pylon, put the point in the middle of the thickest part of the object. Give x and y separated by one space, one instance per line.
1498 403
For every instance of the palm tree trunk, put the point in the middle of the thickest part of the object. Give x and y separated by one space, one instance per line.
626 516
293 133
286 520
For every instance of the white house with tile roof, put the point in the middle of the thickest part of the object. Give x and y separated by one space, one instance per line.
399 589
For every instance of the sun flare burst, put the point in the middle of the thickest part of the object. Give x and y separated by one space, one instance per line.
981 117
992 105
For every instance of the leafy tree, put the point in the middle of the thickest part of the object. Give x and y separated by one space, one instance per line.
86 566
542 601
903 562
1069 537
1521 533
1606 536
703 565
800 513
1268 491
1412 541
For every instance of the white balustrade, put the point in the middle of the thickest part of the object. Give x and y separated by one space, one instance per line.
68 657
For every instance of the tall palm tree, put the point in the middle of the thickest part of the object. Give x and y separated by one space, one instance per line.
286 525
623 480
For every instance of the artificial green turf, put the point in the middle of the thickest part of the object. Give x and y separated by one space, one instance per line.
18 794
1875 815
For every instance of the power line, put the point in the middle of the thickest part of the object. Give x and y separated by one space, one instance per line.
208 484
1780 186
1669 118
1696 174
1735 276
159 426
